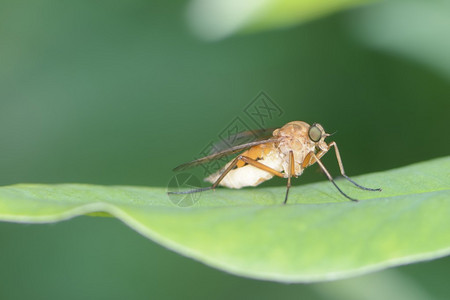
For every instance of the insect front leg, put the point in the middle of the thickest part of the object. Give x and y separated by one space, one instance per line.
341 167
316 159
310 160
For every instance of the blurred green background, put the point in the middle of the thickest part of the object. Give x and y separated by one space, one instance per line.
120 92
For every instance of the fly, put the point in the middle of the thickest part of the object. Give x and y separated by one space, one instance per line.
290 149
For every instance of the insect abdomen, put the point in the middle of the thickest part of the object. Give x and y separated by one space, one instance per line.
247 175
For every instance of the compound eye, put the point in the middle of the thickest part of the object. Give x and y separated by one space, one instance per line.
315 134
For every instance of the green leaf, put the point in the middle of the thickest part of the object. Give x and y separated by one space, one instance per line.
216 19
318 236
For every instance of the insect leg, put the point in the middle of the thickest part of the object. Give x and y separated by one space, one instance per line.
329 176
341 167
261 166
229 168
309 159
291 171
191 191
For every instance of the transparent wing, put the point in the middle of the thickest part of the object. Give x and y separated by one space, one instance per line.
222 153
242 138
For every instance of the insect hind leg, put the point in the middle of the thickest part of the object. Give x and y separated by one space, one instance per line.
228 169
191 191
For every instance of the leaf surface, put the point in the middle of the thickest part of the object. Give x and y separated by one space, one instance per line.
318 236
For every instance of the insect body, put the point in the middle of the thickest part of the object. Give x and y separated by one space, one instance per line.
290 150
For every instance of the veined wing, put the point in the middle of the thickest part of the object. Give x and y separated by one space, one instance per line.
241 138
222 153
